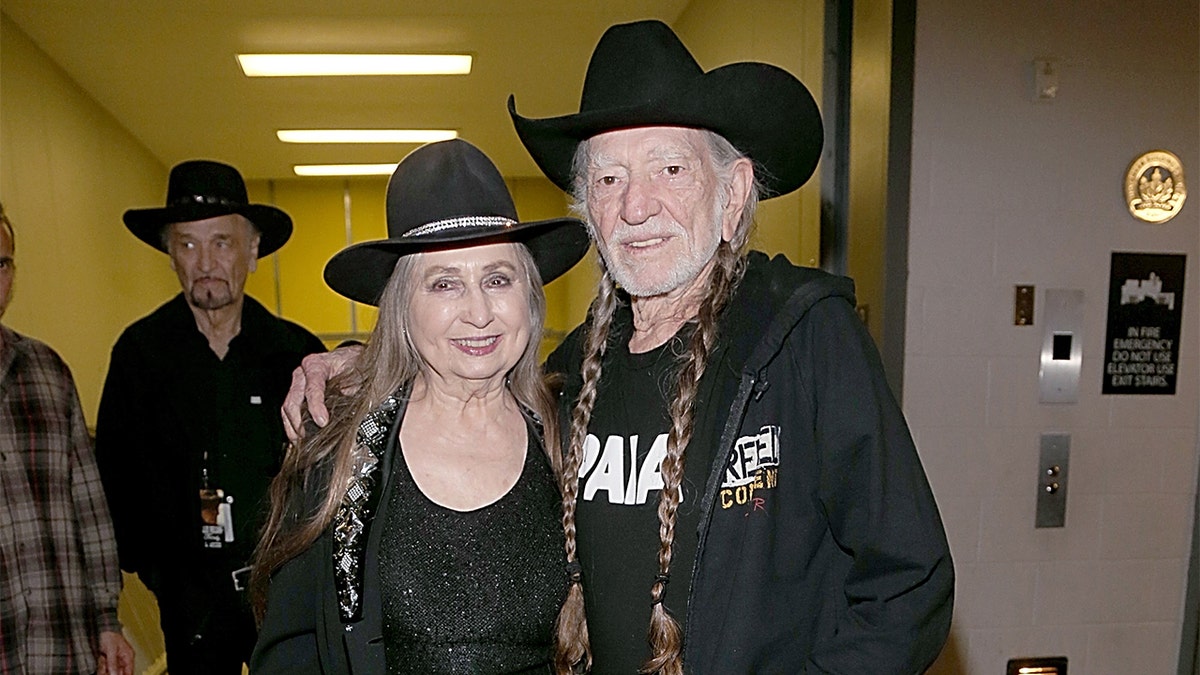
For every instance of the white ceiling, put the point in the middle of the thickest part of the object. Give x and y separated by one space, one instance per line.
166 71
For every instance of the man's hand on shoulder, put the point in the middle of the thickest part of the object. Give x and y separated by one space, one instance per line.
308 388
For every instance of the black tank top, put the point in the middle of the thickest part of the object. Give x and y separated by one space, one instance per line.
475 591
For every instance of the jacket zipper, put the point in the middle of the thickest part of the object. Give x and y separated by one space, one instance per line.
736 413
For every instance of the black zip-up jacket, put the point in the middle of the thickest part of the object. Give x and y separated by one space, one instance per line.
820 547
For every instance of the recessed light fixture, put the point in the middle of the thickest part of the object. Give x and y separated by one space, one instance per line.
365 135
298 65
344 169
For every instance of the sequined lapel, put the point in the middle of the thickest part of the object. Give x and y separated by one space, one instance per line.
351 523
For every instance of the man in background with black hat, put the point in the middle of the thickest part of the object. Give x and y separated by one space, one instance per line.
188 437
738 476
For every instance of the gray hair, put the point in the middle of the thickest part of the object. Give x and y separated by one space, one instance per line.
723 155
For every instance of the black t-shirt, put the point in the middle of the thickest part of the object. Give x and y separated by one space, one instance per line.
617 512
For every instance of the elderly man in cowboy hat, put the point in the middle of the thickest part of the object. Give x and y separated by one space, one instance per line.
739 477
187 434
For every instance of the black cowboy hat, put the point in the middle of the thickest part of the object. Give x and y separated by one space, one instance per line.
200 189
450 195
642 75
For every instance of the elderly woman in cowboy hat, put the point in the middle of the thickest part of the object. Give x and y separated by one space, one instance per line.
420 531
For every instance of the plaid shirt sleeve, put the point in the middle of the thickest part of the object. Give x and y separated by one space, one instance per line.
96 538
60 581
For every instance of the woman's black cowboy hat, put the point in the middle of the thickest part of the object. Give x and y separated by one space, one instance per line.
642 75
200 189
450 195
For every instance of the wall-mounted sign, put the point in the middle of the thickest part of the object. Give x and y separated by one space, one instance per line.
1145 310
1154 187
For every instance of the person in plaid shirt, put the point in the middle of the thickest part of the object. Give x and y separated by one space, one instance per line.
59 579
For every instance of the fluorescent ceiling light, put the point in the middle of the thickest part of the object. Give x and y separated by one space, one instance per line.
365 135
294 65
344 169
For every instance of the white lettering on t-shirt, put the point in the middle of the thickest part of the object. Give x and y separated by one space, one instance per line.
614 469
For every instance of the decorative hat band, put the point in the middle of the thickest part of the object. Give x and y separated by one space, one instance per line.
460 223
184 200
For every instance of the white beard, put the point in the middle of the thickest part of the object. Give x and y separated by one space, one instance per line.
629 274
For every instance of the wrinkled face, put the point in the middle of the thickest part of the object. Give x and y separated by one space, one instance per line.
469 317
212 259
654 206
8 268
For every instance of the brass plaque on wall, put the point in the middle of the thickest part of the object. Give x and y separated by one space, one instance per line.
1154 187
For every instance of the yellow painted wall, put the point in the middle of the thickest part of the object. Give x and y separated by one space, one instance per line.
319 210
67 173
870 83
787 34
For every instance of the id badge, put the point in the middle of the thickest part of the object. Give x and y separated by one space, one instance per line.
216 517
